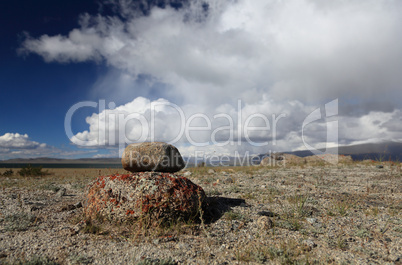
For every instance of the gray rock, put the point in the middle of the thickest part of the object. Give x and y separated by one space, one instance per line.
228 180
61 192
36 206
264 223
187 174
309 244
152 156
211 171
311 220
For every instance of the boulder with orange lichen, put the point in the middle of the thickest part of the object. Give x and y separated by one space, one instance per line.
153 194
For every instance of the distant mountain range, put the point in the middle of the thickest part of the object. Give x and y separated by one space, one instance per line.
375 151
48 160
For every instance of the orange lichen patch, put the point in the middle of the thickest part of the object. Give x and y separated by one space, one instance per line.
179 196
125 177
163 195
121 177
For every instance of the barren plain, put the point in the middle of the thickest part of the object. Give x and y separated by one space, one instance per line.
350 213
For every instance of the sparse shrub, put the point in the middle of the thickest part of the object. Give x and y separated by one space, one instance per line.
233 189
90 228
342 208
298 202
209 180
79 185
80 259
339 208
363 233
51 186
273 191
30 171
341 243
202 164
157 262
286 253
39 261
291 224
398 229
330 213
372 211
19 221
337 242
249 196
8 173
213 192
230 215
274 253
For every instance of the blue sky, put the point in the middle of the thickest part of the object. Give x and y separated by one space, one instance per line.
209 60
36 94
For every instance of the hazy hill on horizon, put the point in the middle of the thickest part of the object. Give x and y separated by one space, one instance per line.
49 160
375 151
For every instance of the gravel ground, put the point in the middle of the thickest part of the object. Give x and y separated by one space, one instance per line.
345 214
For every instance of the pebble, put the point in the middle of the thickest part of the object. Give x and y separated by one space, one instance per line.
183 246
309 243
228 181
311 220
61 192
266 213
187 174
264 223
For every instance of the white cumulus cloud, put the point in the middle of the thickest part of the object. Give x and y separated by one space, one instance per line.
16 145
18 141
278 57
